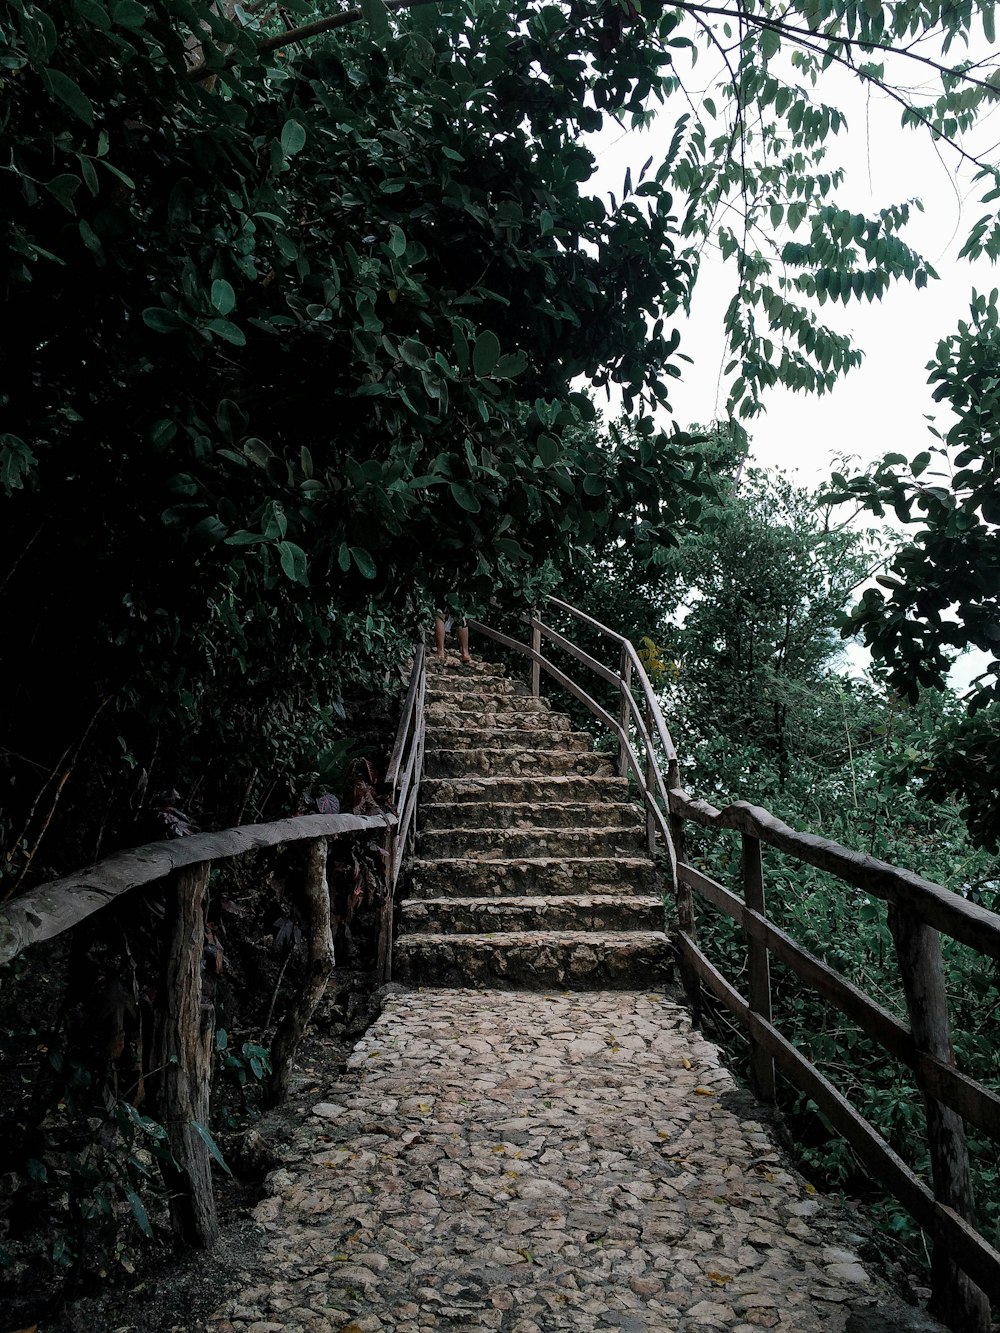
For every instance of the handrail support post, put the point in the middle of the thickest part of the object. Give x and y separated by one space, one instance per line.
625 686
759 981
650 781
956 1299
535 672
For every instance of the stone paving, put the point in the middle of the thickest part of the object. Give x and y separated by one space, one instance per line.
527 1162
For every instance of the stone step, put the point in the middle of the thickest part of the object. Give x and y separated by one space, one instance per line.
455 668
606 791
487 814
506 844
484 916
535 960
508 738
515 762
444 687
532 876
486 714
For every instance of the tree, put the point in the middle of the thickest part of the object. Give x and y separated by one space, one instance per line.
941 591
301 334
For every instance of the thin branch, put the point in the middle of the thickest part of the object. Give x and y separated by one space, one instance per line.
863 43
315 29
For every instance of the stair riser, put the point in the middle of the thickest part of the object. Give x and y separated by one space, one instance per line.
484 717
453 669
514 763
507 738
513 879
509 790
486 917
501 844
491 815
520 962
441 687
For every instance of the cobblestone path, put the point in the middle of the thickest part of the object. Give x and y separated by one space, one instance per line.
528 1162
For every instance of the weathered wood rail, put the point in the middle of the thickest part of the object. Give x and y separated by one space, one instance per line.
184 1042
965 1266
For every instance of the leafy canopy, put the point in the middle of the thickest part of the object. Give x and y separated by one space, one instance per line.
304 323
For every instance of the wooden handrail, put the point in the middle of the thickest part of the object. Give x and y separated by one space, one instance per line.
918 909
184 1037
939 907
404 774
51 908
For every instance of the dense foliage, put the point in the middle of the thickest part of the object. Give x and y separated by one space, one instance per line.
941 591
294 360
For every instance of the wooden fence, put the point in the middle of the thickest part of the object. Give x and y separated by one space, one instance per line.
965 1267
184 1043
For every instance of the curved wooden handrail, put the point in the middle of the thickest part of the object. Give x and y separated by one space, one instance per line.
56 906
939 907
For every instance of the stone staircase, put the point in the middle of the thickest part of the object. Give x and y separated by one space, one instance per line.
531 866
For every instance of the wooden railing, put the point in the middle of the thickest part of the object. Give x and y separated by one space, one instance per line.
184 1041
406 767
965 1267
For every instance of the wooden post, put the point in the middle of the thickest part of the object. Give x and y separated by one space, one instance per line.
683 898
650 781
625 714
761 1063
384 961
316 912
536 647
184 1055
957 1301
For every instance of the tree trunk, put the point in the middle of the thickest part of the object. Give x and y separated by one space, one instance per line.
316 911
184 1060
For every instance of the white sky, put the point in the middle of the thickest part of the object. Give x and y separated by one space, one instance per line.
883 405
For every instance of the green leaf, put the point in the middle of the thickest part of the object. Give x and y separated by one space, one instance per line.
364 562
463 497
293 562
293 138
162 321
16 461
770 43
245 538
344 557
223 296
211 1145
139 1213
231 333
377 18
64 187
90 238
511 365
920 463
129 14
486 353
461 348
548 449
70 93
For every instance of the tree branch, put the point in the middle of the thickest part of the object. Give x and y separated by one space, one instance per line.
314 29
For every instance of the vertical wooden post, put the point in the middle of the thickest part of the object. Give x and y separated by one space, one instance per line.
184 1053
683 898
650 781
957 1301
625 713
315 901
761 1063
384 960
536 647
